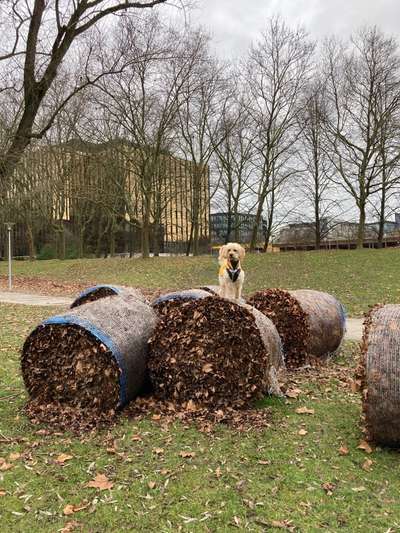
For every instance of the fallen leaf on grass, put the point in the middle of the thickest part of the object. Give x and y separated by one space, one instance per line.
358 489
264 462
136 438
293 393
343 450
207 368
365 446
4 465
355 385
329 488
152 484
158 451
218 472
367 465
2 492
60 460
304 411
100 482
303 432
236 521
187 454
70 526
283 524
14 456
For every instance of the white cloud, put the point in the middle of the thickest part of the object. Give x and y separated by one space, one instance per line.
234 24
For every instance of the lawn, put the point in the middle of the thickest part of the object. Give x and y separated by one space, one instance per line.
303 473
359 278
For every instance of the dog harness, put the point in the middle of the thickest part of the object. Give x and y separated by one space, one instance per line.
233 273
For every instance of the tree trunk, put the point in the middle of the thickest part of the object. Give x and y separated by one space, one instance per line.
196 237
256 225
112 240
317 227
156 240
196 209
381 231
361 226
81 244
270 221
61 248
190 241
146 230
131 241
31 241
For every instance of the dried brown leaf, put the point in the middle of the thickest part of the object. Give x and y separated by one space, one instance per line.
100 482
305 411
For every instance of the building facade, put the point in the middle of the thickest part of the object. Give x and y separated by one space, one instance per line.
241 228
101 196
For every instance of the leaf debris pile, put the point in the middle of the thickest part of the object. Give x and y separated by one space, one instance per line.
207 359
204 417
72 378
290 321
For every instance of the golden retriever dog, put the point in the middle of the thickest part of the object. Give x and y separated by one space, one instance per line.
231 275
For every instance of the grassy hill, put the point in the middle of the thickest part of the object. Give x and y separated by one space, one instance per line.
359 278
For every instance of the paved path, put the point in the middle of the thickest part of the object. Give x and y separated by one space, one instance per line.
354 328
353 333
33 299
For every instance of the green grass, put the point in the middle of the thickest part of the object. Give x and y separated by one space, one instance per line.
236 481
358 278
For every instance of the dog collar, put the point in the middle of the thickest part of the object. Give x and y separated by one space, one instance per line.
233 273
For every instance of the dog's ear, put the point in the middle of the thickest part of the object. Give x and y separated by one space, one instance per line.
222 252
242 252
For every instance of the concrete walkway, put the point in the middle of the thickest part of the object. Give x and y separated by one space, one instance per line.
354 325
33 299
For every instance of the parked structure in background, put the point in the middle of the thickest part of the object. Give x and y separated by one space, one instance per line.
97 199
227 228
337 234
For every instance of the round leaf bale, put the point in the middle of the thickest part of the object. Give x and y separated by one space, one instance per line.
326 318
92 294
89 361
212 289
180 296
381 375
213 352
309 322
290 321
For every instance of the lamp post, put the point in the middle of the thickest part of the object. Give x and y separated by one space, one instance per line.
9 226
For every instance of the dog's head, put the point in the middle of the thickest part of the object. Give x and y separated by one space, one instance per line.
232 252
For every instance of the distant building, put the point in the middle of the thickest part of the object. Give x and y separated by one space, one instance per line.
333 231
92 195
241 228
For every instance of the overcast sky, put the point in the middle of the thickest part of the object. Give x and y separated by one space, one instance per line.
235 23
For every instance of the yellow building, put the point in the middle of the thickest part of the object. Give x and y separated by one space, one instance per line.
104 192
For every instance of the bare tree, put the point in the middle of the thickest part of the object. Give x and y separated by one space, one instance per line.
357 80
234 164
36 38
277 71
316 169
200 116
142 101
